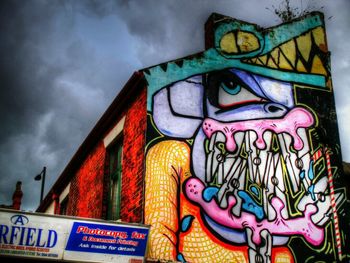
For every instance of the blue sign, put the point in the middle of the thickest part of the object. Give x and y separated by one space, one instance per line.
108 239
21 233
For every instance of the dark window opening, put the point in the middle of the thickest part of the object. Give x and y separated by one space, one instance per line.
64 206
115 175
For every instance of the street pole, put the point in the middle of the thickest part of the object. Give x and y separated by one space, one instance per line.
41 177
42 184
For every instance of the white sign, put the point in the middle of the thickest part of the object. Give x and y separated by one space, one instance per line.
48 237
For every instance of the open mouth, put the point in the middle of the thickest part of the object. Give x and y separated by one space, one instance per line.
253 159
260 176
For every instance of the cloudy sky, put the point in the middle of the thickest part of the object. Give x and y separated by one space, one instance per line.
63 62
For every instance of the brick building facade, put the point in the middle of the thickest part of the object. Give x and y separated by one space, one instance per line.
231 155
87 174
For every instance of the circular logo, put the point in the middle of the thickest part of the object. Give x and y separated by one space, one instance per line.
19 220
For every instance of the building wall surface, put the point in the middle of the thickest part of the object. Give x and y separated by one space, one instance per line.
89 190
231 155
133 160
243 158
86 193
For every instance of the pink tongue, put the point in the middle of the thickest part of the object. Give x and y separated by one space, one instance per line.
294 119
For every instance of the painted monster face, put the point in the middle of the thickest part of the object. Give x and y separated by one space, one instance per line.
242 144
250 148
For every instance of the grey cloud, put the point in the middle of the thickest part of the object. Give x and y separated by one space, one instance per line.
167 30
338 23
54 87
58 73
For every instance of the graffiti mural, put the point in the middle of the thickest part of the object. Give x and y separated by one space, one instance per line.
243 155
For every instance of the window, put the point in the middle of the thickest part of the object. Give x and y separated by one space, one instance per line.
115 175
64 206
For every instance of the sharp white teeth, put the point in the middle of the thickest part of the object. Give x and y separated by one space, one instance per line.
240 183
250 138
225 168
290 159
303 135
277 181
217 162
322 201
298 164
209 161
239 137
212 141
262 160
325 210
267 169
212 160
273 181
268 189
320 187
304 158
221 172
304 162
230 185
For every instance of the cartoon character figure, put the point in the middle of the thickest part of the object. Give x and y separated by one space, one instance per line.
233 171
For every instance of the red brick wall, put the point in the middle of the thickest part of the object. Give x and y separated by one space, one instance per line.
133 160
88 195
86 191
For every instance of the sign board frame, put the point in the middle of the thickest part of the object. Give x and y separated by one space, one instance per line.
52 237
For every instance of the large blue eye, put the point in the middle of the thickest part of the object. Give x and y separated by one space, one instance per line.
226 90
231 87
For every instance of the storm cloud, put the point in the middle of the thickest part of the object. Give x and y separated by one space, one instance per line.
63 62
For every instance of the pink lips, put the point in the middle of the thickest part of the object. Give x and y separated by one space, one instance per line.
301 225
290 123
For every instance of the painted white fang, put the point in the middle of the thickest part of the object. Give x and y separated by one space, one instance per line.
262 253
208 169
234 173
269 168
250 138
237 209
221 172
279 184
290 158
306 148
322 201
263 156
274 186
212 159
239 137
325 211
320 189
304 155
227 166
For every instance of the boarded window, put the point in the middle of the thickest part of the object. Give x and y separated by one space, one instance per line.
115 174
64 206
